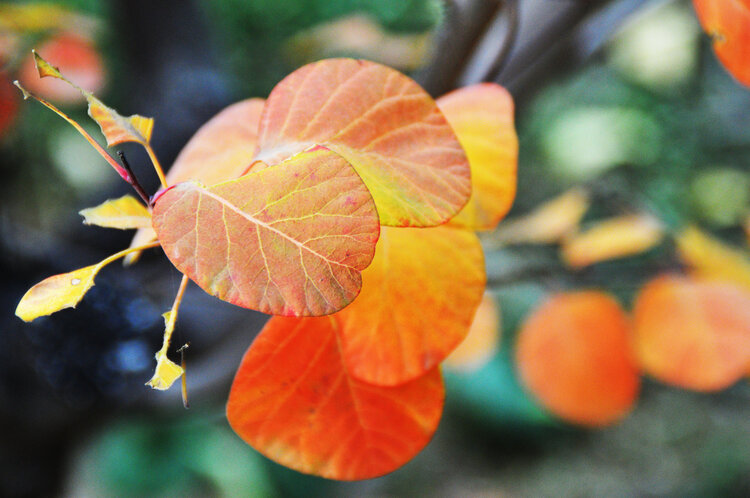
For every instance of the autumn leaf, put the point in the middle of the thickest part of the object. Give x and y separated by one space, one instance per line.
294 401
693 333
612 238
78 57
286 240
417 302
482 118
63 291
548 223
220 150
573 354
116 128
223 148
124 213
710 258
728 24
483 340
384 124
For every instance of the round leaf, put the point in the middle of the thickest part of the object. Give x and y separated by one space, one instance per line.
692 333
294 401
728 24
573 353
287 240
384 124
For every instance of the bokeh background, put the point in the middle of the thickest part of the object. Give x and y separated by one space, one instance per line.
622 97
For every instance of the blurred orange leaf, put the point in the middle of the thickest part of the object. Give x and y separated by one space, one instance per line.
728 24
294 401
482 117
124 213
573 353
710 258
610 239
418 299
384 124
548 223
287 240
8 103
81 62
482 341
692 333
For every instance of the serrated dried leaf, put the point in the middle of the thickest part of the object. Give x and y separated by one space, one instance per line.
123 213
289 240
115 127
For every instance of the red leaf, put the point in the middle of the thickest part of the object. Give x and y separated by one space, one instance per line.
287 240
728 23
573 354
693 333
384 124
294 401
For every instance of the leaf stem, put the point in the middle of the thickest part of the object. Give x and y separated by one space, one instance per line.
157 165
173 315
125 252
135 183
111 160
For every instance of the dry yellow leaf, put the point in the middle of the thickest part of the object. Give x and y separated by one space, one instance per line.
56 293
123 213
548 223
610 239
711 258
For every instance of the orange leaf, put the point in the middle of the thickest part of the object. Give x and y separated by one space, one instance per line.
710 258
287 240
692 333
573 354
482 341
610 239
482 117
418 299
222 149
294 401
548 223
728 24
384 124
75 55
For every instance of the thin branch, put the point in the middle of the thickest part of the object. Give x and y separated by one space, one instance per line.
132 179
511 11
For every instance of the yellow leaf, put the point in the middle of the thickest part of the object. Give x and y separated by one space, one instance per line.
115 127
124 213
710 258
65 290
33 17
56 293
548 223
482 341
142 236
166 373
610 239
